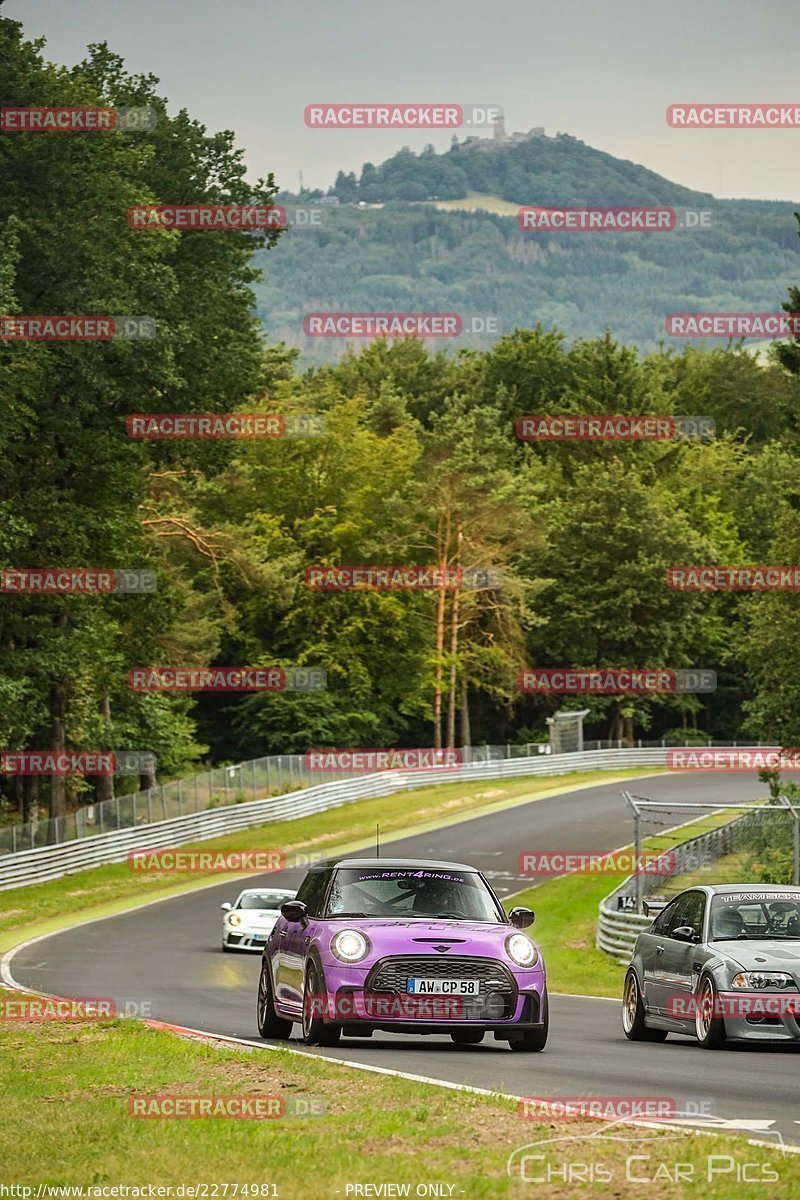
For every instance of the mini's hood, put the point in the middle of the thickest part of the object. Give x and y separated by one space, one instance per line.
440 939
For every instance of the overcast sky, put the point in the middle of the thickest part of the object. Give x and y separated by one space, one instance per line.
604 73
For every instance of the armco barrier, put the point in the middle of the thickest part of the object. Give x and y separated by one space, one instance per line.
617 930
50 862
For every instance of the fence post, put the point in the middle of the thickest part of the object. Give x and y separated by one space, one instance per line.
795 839
269 774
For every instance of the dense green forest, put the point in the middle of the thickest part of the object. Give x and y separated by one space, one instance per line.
410 256
418 463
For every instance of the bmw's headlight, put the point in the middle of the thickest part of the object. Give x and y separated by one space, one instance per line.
350 946
234 919
762 979
521 950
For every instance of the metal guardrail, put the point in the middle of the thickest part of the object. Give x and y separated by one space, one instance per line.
617 930
28 867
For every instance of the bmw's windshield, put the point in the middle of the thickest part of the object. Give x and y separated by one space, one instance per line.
755 916
410 893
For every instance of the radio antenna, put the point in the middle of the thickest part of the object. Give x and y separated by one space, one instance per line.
377 841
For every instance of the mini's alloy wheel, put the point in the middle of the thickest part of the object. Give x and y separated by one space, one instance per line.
315 1031
270 1025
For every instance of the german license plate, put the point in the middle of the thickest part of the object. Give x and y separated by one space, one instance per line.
443 987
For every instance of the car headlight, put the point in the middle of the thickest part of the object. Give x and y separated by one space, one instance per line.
521 950
349 945
234 919
762 979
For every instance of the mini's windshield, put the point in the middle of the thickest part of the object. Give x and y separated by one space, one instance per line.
750 916
263 900
411 893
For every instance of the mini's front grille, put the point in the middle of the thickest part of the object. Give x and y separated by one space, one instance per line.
392 974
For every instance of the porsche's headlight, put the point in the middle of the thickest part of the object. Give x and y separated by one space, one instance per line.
762 979
234 919
350 946
521 950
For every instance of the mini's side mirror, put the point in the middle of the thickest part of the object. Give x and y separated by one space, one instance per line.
227 906
295 910
522 917
685 933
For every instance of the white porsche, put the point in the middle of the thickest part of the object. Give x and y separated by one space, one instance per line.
248 922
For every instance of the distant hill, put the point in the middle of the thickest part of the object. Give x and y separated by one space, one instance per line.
397 240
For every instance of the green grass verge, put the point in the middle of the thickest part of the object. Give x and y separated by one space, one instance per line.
68 1123
101 891
567 917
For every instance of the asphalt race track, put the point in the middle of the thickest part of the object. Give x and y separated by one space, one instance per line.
168 957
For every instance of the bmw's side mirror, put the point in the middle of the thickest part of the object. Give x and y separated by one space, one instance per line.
227 906
295 910
522 917
686 933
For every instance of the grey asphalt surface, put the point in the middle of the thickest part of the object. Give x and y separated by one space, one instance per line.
167 957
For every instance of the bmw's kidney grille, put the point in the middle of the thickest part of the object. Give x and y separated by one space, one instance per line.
392 974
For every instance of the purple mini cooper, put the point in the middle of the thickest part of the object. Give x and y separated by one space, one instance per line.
402 946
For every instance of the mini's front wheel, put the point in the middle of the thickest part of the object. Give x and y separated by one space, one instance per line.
315 1031
270 1025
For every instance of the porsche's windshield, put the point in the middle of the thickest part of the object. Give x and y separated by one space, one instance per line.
411 892
262 900
755 916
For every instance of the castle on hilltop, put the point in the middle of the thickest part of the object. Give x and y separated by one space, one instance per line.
500 137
